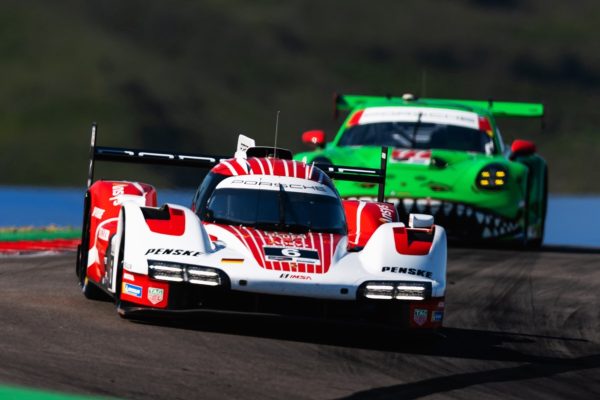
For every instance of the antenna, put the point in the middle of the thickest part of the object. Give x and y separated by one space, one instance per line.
92 154
276 130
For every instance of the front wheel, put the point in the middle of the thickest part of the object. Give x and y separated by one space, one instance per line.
91 291
117 267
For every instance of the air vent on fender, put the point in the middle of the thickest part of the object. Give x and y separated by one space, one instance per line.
165 220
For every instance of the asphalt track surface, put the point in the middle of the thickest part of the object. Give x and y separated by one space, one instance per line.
518 325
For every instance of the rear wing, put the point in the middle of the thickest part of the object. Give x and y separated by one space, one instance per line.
358 174
496 108
128 155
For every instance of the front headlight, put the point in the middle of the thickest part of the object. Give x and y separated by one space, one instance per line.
492 177
396 290
177 272
203 276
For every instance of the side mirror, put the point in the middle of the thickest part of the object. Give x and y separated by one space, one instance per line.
522 148
208 215
422 221
314 138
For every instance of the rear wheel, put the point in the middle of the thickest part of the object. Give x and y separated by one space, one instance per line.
88 288
542 208
81 263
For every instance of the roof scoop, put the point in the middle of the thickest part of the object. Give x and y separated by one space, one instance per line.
268 152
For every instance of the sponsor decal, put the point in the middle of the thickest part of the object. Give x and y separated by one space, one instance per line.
285 236
98 212
386 212
437 316
103 234
232 260
411 156
466 119
174 252
292 255
155 295
285 239
295 276
275 185
132 290
420 316
128 276
118 190
409 271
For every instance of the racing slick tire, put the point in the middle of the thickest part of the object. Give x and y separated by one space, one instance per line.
536 243
120 305
89 289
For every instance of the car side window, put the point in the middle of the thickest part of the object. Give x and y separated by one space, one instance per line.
205 191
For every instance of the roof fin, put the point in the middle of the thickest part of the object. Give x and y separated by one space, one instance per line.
243 144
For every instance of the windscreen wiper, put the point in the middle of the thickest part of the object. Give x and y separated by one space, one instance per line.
415 129
297 228
266 226
281 206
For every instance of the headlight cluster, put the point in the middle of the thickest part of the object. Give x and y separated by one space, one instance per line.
396 290
492 177
176 272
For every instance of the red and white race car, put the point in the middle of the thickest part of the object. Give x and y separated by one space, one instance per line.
264 234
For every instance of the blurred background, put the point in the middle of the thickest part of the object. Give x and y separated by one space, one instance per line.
189 76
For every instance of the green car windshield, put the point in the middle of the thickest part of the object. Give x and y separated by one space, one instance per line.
412 135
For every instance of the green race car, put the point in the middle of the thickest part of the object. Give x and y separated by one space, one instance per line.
445 158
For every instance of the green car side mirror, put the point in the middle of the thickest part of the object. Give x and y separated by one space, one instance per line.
522 148
314 138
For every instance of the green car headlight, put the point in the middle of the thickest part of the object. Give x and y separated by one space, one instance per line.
492 177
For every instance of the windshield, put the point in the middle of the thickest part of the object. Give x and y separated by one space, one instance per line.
276 210
418 135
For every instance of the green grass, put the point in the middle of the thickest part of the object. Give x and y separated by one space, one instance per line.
11 234
192 75
15 393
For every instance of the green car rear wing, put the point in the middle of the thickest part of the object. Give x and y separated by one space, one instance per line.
496 108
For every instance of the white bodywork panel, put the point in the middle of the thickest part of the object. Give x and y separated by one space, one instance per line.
348 270
139 239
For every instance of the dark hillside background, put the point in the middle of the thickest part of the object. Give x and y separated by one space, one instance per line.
190 75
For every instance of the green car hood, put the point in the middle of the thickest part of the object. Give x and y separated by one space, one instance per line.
437 174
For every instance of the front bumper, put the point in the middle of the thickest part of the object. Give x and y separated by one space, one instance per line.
463 222
425 314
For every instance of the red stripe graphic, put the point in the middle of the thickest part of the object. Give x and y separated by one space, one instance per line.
270 166
255 241
253 248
